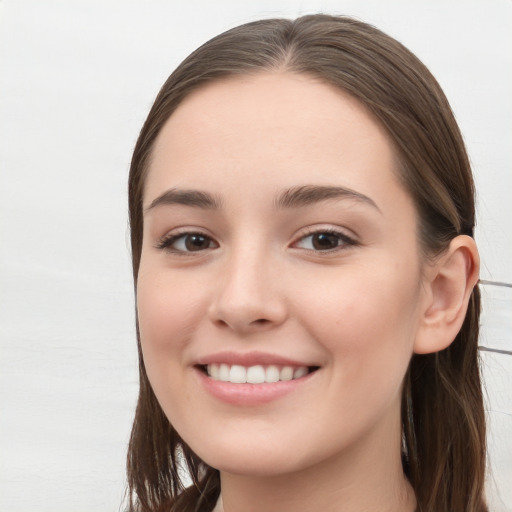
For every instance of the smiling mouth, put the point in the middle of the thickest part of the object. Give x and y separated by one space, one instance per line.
258 374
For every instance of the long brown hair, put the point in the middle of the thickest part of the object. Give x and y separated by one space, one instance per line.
443 421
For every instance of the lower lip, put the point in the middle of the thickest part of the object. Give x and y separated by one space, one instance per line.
251 394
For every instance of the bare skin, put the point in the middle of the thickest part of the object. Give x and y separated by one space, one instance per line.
237 264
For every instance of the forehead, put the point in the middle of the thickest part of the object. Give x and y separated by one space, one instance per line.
269 131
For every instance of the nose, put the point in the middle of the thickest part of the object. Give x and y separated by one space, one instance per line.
248 297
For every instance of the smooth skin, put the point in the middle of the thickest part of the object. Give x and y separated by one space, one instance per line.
337 283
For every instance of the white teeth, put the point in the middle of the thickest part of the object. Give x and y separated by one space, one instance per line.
300 372
214 371
257 374
286 373
237 374
224 372
272 374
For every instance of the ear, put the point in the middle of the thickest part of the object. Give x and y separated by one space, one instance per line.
448 286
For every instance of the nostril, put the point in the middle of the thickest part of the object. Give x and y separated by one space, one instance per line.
242 318
261 321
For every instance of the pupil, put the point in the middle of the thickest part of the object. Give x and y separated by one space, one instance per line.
325 241
196 242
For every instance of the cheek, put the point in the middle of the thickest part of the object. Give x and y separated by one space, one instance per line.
168 312
365 319
169 309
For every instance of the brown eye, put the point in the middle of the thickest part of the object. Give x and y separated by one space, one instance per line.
187 242
196 242
324 241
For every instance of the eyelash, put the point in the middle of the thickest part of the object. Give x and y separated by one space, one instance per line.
166 242
345 241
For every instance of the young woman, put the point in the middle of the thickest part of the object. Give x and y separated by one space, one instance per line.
302 213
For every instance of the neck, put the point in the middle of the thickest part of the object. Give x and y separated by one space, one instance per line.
367 477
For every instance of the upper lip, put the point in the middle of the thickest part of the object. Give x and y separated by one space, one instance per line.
249 359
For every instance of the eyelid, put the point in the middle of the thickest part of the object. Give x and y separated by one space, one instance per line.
164 242
348 240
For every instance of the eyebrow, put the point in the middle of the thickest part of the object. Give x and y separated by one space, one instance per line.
186 197
294 197
304 195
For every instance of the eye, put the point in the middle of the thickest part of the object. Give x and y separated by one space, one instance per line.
187 242
324 241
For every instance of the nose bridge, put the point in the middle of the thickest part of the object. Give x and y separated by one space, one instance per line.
247 296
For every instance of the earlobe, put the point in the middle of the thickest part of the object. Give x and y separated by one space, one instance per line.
451 280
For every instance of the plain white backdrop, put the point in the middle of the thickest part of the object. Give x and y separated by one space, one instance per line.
76 81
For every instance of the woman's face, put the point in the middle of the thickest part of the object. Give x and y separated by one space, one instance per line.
278 244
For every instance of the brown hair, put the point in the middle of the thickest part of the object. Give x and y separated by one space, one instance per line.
443 419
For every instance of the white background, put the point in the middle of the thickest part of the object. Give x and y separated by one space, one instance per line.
76 81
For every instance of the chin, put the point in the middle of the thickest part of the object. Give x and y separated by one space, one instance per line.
253 459
253 467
